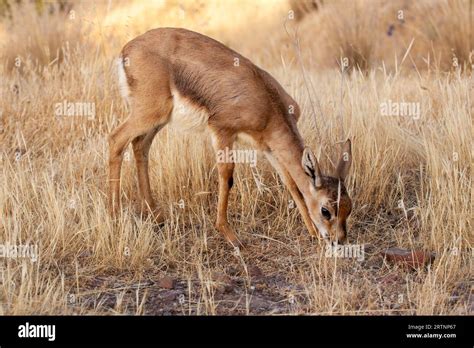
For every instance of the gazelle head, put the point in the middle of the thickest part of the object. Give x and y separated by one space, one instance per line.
329 204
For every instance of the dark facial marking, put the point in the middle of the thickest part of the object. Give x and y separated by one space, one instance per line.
331 185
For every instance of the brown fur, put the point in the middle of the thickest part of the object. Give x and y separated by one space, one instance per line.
238 99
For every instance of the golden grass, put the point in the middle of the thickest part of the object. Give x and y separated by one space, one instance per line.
53 169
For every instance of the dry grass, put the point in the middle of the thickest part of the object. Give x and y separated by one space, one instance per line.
53 172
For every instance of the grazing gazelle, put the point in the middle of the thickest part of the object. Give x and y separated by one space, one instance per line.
178 76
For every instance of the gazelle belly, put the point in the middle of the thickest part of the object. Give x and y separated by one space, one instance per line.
187 116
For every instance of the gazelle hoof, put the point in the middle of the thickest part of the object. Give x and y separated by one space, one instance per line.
238 245
156 215
159 217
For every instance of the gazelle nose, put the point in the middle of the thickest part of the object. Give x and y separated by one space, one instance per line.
341 240
341 234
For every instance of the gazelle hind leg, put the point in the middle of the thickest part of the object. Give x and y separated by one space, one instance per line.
118 141
221 142
143 120
141 148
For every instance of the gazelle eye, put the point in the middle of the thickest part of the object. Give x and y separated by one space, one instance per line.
326 213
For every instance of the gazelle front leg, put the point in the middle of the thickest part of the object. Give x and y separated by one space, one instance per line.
295 193
221 142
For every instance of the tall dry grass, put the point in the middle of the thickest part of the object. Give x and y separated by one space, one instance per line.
410 181
369 32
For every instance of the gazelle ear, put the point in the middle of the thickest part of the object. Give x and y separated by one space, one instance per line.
345 161
311 167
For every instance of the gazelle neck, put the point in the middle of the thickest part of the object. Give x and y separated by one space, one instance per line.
285 151
287 146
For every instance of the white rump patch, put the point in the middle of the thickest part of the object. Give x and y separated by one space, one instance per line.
122 79
186 116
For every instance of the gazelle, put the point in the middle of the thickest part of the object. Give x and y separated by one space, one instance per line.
178 76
